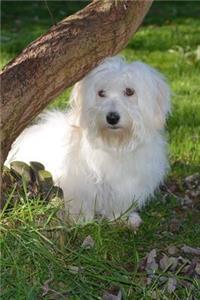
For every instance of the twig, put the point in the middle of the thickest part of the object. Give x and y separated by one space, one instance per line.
50 13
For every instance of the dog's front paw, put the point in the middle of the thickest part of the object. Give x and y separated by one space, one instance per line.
134 221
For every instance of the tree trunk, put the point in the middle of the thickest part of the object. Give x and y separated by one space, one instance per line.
61 57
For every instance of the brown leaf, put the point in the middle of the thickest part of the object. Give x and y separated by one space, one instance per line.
164 262
186 200
173 261
151 256
149 280
154 295
190 250
45 287
190 270
192 181
88 242
175 225
184 260
163 279
197 268
168 263
171 284
74 269
21 170
151 265
108 296
172 250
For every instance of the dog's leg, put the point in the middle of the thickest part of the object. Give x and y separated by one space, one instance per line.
134 220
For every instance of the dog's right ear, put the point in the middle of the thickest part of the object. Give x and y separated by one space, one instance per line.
76 96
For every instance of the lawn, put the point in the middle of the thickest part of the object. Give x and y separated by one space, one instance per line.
41 256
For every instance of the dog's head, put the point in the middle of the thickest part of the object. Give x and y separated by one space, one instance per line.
120 104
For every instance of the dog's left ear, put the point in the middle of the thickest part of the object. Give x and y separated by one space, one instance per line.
162 99
75 97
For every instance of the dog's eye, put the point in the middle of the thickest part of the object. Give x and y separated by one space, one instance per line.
102 93
129 92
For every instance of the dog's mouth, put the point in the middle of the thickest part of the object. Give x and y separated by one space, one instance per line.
113 127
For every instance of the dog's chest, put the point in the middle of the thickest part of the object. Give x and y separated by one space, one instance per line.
115 191
114 176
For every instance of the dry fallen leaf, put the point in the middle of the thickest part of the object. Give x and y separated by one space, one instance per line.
168 263
164 262
184 260
175 225
151 265
151 256
149 280
172 250
88 242
45 287
192 181
171 284
154 295
173 261
190 269
186 200
163 279
190 250
51 293
74 269
197 268
109 296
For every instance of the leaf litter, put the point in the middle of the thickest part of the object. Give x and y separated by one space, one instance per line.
170 272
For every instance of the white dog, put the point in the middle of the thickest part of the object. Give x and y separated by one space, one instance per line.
108 151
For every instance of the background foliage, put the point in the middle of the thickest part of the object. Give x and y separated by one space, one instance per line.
170 41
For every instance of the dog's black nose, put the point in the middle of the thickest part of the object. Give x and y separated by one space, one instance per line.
112 118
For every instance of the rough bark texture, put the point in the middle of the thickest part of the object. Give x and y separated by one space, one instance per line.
61 57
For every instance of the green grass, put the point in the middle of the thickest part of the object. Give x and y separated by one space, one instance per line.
35 245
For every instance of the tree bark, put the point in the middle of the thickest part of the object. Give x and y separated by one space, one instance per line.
61 57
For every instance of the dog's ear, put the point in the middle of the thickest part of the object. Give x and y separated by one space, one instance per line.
153 94
76 96
162 94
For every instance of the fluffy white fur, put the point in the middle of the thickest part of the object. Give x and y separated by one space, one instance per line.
103 168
